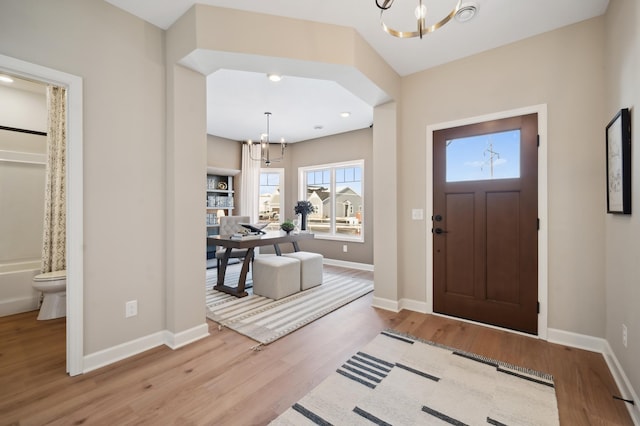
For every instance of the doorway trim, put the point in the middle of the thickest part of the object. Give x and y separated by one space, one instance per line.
543 240
75 201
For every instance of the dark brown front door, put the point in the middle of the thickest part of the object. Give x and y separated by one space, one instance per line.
485 241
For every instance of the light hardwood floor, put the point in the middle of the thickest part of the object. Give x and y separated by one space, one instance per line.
220 381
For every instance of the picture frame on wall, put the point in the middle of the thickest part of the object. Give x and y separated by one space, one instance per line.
618 138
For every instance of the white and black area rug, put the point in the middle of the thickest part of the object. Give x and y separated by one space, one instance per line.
266 320
401 380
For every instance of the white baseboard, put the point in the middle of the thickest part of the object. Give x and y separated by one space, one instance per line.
18 305
414 305
575 340
345 264
178 340
624 385
119 352
128 349
386 304
397 306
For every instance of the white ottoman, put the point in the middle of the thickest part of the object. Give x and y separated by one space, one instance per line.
276 277
310 268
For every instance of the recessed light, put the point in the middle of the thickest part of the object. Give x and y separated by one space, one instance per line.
318 127
345 114
6 79
466 12
274 77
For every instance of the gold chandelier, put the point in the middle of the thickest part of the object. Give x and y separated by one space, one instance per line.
265 154
421 18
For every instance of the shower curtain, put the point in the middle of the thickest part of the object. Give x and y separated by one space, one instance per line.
55 217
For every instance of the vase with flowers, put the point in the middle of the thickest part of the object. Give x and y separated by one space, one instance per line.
304 208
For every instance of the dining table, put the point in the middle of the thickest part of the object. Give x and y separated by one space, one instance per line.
250 242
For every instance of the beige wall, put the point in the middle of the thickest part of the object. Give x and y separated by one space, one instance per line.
24 109
622 59
563 69
224 153
120 59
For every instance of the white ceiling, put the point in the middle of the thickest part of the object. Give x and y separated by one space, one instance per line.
24 84
239 95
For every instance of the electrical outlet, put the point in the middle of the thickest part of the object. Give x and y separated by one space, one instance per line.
624 335
131 308
345 248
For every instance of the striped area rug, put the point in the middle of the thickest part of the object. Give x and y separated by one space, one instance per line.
266 320
401 380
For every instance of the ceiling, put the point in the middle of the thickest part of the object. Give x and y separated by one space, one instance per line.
24 84
307 106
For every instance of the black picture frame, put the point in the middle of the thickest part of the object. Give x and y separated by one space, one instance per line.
618 136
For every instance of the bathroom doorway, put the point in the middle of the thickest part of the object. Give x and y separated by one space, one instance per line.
74 179
23 160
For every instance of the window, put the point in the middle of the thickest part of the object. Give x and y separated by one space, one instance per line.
271 197
484 157
336 192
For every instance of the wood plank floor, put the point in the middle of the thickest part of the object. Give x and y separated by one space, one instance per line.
220 381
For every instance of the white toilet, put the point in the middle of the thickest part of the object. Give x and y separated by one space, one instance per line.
53 286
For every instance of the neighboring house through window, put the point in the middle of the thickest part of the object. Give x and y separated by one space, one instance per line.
271 197
336 192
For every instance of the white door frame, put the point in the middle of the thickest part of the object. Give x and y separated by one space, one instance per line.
543 240
75 218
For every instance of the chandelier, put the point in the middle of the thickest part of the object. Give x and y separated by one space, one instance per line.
265 155
459 11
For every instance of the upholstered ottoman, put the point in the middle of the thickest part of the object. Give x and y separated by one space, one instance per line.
276 277
310 268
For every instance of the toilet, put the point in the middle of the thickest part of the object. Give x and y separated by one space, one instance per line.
53 286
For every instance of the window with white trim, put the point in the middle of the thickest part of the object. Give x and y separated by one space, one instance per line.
337 193
271 197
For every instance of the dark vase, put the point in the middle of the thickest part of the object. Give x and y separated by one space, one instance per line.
303 225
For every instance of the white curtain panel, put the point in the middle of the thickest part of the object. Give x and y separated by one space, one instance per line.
55 217
250 187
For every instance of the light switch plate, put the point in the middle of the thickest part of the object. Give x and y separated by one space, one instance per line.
417 214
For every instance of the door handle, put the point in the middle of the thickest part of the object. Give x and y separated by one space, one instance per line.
439 231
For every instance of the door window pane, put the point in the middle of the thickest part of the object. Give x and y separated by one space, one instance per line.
491 156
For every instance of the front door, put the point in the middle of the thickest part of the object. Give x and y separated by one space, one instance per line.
485 210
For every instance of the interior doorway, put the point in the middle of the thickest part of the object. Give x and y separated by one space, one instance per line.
75 217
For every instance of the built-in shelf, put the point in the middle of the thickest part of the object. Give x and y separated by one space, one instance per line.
219 198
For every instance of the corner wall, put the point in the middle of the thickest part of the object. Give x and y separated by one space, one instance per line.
123 133
202 30
622 245
564 70
355 145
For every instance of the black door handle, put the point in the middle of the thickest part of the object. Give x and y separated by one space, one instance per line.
438 218
439 231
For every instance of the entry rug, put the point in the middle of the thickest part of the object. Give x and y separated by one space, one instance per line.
401 380
266 320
